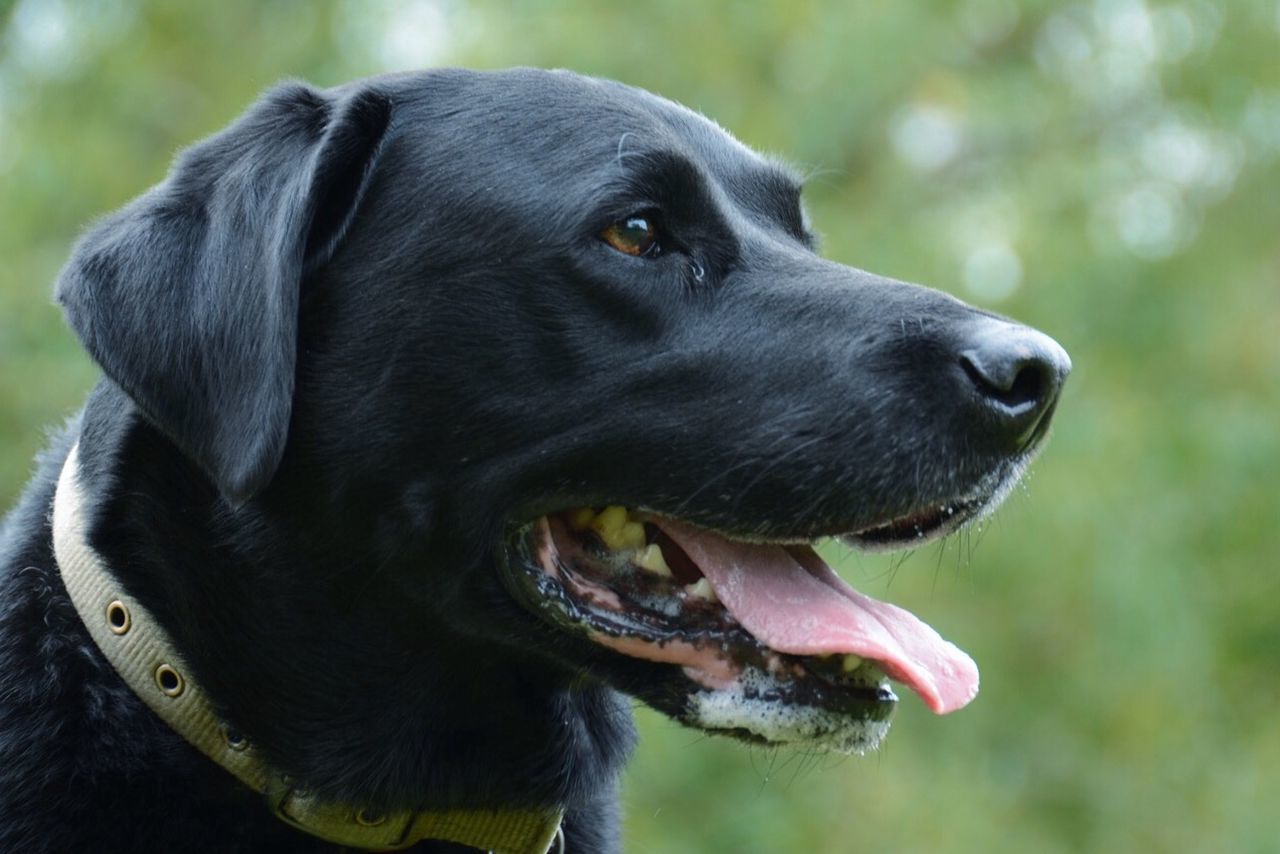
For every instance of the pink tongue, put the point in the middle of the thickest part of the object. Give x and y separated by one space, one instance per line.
793 602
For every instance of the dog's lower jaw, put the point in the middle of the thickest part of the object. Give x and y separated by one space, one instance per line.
754 709
745 712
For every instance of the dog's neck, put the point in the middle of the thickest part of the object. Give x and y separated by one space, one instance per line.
132 641
336 684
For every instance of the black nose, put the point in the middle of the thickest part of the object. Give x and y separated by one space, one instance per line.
1018 373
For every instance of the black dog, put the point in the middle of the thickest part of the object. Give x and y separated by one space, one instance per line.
441 407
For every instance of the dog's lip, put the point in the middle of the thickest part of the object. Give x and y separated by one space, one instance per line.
783 605
917 527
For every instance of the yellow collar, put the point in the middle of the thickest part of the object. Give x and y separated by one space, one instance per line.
140 651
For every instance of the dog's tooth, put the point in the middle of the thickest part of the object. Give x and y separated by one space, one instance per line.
611 524
631 536
651 559
580 519
702 589
851 663
609 521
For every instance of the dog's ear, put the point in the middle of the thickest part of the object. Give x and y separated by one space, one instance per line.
188 297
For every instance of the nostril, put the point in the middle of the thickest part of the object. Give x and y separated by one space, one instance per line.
1028 387
1017 374
1018 386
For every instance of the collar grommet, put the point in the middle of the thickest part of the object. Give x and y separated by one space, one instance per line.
365 818
118 619
234 739
169 681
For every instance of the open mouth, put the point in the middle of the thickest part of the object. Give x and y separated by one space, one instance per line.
775 647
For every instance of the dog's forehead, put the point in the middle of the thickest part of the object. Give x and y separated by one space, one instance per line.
581 124
664 125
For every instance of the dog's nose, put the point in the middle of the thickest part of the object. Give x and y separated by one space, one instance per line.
1018 373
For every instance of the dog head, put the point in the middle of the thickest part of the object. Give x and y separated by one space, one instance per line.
551 367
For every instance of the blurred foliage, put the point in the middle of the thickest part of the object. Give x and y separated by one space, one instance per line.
1106 171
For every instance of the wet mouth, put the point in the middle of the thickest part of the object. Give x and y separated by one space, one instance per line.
773 646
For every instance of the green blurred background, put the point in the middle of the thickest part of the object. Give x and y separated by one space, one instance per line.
1108 171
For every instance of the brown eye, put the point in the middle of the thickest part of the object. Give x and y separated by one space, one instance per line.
635 235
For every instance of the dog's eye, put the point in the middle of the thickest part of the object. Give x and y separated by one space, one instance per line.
636 235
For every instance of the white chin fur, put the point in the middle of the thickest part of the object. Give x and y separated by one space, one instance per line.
740 707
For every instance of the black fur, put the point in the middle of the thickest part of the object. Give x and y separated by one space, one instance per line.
353 338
